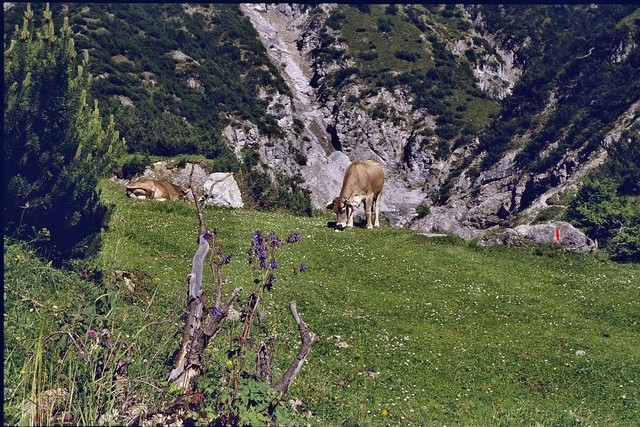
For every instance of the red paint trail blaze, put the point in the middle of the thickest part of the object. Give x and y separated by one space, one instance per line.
558 234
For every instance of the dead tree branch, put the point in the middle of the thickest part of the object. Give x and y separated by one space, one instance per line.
306 339
188 362
199 204
213 324
263 363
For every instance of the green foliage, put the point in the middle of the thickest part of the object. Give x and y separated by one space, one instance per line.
407 56
549 214
56 145
606 206
625 245
134 165
179 104
52 328
299 157
575 65
273 191
598 209
334 21
369 56
623 163
252 405
422 211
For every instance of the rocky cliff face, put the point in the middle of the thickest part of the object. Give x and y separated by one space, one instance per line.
336 131
346 125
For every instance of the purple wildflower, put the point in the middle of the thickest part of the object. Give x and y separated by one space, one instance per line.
261 250
92 333
274 264
217 312
258 249
226 259
294 238
303 267
271 279
274 240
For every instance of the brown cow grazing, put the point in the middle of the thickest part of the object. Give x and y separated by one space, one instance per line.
159 189
363 181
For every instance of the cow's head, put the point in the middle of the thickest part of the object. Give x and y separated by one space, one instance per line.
343 210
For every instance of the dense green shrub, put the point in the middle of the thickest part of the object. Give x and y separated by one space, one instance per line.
422 211
56 145
448 131
134 166
275 191
612 218
335 19
407 56
625 245
299 157
385 24
598 209
369 56
607 206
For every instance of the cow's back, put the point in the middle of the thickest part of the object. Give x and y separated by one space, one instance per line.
155 189
362 177
169 190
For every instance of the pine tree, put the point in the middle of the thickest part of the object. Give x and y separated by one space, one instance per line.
56 146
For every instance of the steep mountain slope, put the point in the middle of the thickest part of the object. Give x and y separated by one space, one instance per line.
481 115
477 113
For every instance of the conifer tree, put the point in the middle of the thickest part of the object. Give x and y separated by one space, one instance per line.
56 144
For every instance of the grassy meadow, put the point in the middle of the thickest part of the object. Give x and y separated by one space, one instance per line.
412 330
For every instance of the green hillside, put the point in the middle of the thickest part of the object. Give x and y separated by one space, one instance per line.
172 75
412 330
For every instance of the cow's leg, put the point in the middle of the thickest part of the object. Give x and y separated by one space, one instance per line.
377 200
350 211
368 201
140 193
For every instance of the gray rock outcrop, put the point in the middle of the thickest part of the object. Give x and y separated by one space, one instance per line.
221 189
559 232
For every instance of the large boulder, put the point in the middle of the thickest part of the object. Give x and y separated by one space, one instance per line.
221 189
559 232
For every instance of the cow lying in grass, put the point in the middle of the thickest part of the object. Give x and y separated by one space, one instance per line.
159 189
363 182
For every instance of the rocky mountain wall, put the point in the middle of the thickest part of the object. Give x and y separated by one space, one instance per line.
337 131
